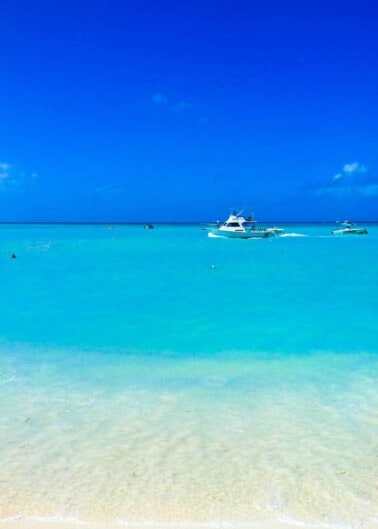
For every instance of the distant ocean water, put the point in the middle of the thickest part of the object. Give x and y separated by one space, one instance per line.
164 377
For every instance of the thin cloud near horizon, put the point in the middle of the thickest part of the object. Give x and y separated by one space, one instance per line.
161 99
353 180
13 177
4 170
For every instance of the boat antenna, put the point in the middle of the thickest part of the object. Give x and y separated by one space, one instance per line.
251 217
234 211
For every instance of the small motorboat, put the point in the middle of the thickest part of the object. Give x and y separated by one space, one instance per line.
148 226
349 229
239 227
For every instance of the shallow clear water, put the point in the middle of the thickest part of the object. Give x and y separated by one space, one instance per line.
138 382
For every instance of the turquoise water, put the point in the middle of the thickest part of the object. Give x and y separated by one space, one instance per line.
166 376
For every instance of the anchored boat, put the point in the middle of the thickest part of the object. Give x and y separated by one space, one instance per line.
239 227
349 229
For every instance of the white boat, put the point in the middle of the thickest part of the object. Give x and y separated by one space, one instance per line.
239 227
349 229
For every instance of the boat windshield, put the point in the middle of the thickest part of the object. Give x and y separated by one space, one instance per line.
233 224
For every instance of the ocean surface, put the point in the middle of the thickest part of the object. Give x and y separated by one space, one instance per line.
165 378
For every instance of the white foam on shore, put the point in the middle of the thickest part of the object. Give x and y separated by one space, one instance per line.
59 522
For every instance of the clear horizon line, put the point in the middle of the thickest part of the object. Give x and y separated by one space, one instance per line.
141 222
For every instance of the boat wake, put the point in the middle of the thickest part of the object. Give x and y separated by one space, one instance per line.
213 235
293 235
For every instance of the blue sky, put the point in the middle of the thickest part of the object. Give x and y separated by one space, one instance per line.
159 111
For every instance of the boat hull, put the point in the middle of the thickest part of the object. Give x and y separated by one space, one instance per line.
248 234
350 231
